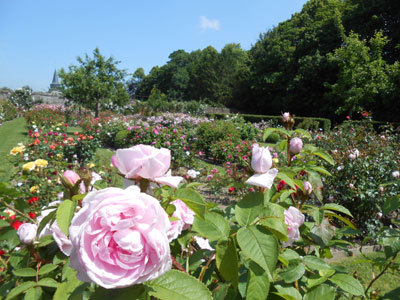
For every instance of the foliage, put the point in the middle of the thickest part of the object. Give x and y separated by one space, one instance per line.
95 84
8 111
22 98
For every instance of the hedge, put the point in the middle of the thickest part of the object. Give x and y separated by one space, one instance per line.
301 122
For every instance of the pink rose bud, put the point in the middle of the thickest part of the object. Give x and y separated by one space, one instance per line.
296 144
308 187
71 176
286 116
293 219
119 238
261 160
27 233
351 185
379 215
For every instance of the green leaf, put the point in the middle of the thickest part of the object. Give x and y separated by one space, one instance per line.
193 200
315 280
323 233
65 212
322 291
34 293
4 223
48 282
318 215
315 263
391 204
175 285
249 208
19 289
303 132
268 132
25 272
215 227
45 221
227 261
132 292
325 156
321 170
65 289
277 226
337 207
258 244
293 273
288 292
316 182
258 284
290 254
287 178
343 219
348 284
47 269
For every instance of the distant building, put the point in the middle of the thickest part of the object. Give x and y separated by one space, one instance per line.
55 85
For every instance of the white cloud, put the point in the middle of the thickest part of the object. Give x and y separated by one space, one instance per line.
206 23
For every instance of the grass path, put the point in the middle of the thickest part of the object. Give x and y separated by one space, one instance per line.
11 133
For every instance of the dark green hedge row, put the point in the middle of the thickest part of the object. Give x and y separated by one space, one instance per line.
379 126
301 122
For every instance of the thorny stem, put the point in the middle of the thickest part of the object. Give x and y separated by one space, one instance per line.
203 271
17 211
37 271
177 265
381 273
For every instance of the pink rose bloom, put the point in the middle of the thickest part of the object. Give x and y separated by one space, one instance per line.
185 216
296 144
71 176
293 219
286 117
308 187
119 238
27 233
63 242
261 162
143 161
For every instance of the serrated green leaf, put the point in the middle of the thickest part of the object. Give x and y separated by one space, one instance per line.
215 227
337 207
175 285
323 233
193 200
258 284
315 280
322 291
293 273
315 263
132 292
277 226
249 208
343 219
304 133
325 156
25 272
348 284
45 221
390 205
64 215
20 289
47 269
287 292
4 223
321 170
268 132
318 215
227 261
261 246
34 293
48 282
66 288
287 178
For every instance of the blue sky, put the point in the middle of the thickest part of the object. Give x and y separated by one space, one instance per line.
39 36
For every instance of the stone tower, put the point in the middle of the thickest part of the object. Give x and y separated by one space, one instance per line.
55 85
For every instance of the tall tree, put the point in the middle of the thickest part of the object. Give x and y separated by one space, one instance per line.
96 83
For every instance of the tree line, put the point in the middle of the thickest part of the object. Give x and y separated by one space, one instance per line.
334 58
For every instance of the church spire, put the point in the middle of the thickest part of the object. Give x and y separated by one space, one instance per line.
55 85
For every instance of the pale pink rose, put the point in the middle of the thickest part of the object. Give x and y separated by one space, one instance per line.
203 243
296 144
263 180
27 233
354 154
143 161
351 185
293 219
71 176
308 187
119 238
261 160
185 216
286 116
63 242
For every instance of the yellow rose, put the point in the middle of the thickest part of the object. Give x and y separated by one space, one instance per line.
59 155
29 166
16 150
41 163
34 189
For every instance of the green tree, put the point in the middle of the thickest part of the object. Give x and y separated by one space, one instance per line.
22 98
135 82
364 76
96 83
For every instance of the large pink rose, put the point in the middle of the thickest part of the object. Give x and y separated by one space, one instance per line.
293 219
119 238
143 161
185 216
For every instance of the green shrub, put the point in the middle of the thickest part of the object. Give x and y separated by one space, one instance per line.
8 111
273 138
122 139
308 124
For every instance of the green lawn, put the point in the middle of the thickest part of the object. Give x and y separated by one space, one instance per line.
384 284
11 133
